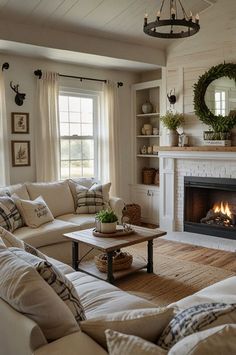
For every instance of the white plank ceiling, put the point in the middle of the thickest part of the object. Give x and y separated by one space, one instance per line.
116 19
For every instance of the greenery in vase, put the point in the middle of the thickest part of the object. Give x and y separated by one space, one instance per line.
172 120
223 123
106 216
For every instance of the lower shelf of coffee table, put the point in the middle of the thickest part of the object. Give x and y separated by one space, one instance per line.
90 268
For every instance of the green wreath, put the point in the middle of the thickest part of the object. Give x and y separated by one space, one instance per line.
219 123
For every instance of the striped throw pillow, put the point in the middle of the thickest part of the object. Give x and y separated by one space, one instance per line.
92 200
10 218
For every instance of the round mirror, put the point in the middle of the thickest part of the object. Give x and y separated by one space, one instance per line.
220 96
215 97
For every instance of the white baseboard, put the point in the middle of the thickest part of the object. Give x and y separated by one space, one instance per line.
202 240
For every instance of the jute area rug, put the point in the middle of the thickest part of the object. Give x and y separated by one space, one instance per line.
172 279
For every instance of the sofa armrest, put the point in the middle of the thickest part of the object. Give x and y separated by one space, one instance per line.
117 204
72 344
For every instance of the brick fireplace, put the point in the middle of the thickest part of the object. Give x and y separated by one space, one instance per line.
176 164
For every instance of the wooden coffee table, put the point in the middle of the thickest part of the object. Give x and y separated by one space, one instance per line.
108 246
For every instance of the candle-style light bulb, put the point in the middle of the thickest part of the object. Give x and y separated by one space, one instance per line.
158 14
145 19
190 16
173 12
197 18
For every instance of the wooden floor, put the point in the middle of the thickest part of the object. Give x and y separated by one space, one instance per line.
201 255
179 271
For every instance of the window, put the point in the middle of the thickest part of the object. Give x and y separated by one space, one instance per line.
220 102
78 119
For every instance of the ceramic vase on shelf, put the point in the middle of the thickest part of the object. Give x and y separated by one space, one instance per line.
147 107
173 138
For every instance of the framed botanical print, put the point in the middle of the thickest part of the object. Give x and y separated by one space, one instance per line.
19 122
20 153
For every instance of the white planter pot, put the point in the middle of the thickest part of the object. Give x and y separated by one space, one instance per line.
108 227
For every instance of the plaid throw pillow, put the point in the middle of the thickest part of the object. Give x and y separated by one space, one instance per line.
10 218
92 200
63 288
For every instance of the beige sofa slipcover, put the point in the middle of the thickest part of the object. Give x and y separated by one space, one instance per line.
58 195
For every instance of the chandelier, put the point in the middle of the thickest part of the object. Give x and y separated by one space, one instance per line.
178 25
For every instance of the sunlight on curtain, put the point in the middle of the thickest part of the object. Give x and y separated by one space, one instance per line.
4 144
47 128
109 141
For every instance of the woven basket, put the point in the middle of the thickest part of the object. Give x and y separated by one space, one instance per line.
133 212
120 261
148 176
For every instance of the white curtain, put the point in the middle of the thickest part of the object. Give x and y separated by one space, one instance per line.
4 144
109 157
47 128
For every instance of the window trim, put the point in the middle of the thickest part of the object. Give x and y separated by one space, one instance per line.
96 97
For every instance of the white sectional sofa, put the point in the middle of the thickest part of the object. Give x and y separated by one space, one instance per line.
22 336
48 238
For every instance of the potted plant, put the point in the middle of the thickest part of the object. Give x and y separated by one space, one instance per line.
107 220
172 121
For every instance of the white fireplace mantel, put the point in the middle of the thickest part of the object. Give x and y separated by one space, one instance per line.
175 163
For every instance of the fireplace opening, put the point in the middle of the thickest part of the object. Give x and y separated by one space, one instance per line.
210 206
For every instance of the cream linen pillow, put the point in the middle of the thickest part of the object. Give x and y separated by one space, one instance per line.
218 341
118 343
129 322
35 213
24 289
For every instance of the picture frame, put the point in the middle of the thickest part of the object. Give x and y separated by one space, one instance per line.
20 153
19 122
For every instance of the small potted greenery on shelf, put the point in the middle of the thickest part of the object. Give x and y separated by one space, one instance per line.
172 121
106 221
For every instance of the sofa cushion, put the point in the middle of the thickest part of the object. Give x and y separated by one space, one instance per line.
132 322
35 213
57 196
86 182
24 289
92 200
63 288
83 221
195 319
20 190
99 297
47 234
119 343
218 341
10 218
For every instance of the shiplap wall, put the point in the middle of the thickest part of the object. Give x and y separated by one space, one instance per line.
182 80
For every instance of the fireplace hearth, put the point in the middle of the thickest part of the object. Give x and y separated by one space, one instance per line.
210 206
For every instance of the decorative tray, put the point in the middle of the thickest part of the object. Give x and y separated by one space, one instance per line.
120 231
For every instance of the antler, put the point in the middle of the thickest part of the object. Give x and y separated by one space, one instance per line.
14 87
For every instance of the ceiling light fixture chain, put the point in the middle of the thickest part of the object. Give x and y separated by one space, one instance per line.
174 26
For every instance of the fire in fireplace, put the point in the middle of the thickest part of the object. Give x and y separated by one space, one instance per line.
210 206
221 215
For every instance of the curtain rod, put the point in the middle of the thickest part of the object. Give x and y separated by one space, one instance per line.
38 73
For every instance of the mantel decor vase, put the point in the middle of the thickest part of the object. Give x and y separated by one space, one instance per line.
173 138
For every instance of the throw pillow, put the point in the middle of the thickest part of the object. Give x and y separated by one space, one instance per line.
2 244
195 319
57 280
63 288
218 341
35 213
129 322
24 289
92 200
118 343
10 218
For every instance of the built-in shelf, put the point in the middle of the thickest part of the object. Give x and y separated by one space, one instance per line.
153 114
147 155
148 136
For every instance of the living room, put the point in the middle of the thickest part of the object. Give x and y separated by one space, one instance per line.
190 266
